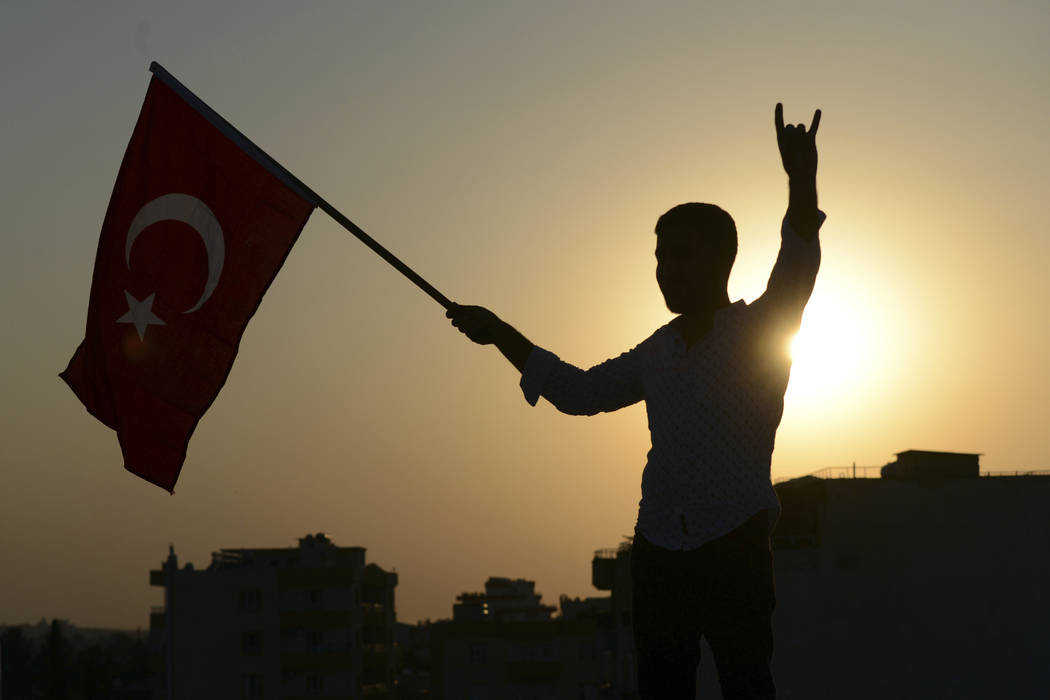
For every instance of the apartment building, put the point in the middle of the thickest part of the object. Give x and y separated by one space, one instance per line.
308 621
505 644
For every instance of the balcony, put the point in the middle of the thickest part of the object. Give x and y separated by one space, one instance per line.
330 661
603 569
316 619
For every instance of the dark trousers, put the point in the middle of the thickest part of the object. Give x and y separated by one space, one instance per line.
722 591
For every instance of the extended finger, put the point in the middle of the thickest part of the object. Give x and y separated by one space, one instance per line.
815 123
778 118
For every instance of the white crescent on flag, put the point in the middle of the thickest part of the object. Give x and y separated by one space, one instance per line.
192 211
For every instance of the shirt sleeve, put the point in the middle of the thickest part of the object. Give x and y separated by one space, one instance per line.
794 274
611 385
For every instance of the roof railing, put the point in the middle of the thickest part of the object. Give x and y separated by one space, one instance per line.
1030 472
868 472
850 472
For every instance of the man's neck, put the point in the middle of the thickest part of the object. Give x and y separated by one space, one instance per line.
695 324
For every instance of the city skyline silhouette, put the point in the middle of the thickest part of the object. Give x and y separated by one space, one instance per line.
876 597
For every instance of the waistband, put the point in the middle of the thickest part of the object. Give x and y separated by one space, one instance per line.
752 532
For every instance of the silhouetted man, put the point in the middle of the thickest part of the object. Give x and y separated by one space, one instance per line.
713 380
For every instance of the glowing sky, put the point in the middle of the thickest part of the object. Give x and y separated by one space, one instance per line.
517 155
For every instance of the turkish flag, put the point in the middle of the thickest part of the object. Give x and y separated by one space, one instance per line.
196 230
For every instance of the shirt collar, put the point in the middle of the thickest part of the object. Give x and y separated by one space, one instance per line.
720 317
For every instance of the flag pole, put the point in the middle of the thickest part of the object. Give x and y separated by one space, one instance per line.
291 181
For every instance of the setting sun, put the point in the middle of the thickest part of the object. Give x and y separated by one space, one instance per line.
835 352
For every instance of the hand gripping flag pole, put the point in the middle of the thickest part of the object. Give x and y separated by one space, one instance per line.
166 315
293 182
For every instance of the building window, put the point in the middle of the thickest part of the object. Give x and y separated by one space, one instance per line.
251 642
314 684
316 640
478 654
628 668
373 634
373 595
316 598
251 685
548 651
606 665
288 678
250 600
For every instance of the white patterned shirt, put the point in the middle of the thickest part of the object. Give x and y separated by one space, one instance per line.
713 409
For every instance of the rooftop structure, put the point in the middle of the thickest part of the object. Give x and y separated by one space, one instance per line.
917 464
504 600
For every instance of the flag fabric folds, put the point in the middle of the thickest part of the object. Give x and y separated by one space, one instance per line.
197 227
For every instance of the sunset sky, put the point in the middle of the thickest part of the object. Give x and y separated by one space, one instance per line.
517 155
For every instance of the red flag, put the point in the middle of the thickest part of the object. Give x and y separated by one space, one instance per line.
198 225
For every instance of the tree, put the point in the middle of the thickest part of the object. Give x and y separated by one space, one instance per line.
56 658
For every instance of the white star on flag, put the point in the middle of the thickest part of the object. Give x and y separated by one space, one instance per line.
140 313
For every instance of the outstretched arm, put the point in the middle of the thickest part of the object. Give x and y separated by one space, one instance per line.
486 328
798 152
608 386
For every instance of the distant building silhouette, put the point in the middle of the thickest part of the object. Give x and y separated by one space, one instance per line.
271 623
505 643
611 571
414 662
931 581
58 659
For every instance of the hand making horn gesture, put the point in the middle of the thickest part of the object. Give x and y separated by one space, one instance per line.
798 147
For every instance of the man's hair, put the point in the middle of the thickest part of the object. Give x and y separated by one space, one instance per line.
712 223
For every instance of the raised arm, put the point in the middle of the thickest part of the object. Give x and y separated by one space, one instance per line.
795 271
798 153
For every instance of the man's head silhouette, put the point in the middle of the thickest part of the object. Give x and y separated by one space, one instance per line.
695 249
